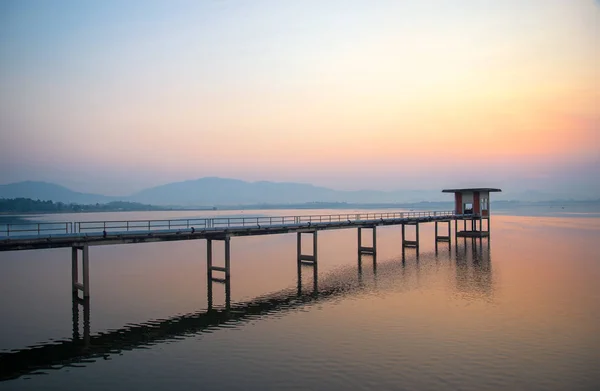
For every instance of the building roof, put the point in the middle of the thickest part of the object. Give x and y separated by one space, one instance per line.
480 189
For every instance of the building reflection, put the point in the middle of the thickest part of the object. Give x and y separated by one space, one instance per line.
474 267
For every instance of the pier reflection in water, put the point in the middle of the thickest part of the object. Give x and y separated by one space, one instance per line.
474 267
473 272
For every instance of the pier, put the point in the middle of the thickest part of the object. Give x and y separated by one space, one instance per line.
471 207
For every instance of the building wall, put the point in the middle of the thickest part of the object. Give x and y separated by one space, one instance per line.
458 206
480 202
467 197
476 202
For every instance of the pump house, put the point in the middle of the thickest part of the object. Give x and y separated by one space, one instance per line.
472 204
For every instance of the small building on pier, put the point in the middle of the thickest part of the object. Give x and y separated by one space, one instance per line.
472 204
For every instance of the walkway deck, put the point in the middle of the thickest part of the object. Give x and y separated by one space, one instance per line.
77 234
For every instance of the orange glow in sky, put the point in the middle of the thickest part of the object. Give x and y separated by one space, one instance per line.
346 94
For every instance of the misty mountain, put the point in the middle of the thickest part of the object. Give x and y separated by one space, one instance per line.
222 191
213 191
50 192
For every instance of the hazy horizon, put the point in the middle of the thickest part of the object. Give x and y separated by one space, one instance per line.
111 98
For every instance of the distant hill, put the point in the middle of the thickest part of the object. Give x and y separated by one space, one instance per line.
213 191
50 192
27 205
222 191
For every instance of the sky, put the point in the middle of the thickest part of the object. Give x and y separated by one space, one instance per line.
113 97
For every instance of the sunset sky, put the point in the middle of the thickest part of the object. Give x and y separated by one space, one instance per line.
115 96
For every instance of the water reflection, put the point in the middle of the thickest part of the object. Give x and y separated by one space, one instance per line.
313 269
473 277
226 282
367 257
85 304
474 268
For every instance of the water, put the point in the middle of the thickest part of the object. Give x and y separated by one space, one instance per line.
522 313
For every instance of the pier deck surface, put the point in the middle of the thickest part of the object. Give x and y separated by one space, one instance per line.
76 234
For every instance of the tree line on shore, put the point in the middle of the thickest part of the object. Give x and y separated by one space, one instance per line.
28 205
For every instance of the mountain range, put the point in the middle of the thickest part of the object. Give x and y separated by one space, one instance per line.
211 191
214 191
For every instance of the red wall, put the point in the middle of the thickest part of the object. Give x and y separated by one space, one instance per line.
458 203
476 203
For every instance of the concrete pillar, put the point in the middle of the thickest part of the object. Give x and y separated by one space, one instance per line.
443 238
209 259
227 258
374 239
367 249
86 271
210 267
299 246
456 231
315 249
84 285
310 260
305 258
403 236
417 244
410 243
74 270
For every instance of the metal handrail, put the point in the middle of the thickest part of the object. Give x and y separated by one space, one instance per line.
82 227
36 228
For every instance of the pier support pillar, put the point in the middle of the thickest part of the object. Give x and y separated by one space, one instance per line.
210 268
366 249
84 285
307 260
443 238
410 243
360 262
456 231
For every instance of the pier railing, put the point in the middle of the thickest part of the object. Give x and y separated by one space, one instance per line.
84 227
36 228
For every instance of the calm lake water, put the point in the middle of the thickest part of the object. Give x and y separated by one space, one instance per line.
520 312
